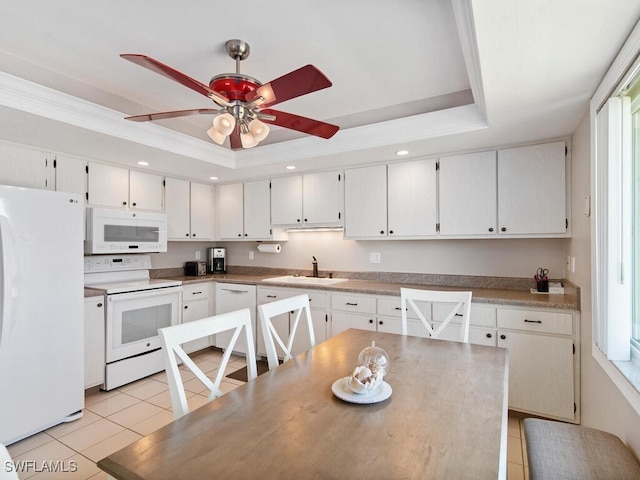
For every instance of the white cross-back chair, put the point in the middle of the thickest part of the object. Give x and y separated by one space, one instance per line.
460 308
7 468
173 337
296 305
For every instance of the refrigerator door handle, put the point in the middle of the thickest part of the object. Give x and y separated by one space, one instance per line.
6 256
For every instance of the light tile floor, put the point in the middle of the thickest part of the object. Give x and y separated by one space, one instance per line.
114 419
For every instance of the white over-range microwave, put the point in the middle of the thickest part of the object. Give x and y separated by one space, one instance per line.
118 231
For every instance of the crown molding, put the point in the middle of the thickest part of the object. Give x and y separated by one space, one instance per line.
36 99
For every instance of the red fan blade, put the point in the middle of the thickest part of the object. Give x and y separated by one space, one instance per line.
234 139
176 113
162 69
301 124
294 84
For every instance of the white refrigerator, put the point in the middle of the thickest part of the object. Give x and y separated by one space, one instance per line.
41 310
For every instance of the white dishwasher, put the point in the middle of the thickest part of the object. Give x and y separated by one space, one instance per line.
231 297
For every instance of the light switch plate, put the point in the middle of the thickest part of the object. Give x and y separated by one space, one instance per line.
197 255
374 257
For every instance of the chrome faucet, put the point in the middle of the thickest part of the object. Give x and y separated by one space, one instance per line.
315 267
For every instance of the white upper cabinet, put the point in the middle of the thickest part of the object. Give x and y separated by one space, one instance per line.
322 198
231 212
468 192
71 175
365 202
189 209
112 186
257 210
25 167
412 193
532 189
201 211
244 211
314 199
286 200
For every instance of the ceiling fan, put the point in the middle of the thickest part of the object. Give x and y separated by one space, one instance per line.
244 101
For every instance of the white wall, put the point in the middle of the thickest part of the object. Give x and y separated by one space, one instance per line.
503 258
603 406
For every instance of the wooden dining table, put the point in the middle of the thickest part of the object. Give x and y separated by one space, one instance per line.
446 418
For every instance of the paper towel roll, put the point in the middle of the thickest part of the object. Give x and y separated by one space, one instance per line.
269 248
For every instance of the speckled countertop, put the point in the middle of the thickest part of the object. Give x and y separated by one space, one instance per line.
497 290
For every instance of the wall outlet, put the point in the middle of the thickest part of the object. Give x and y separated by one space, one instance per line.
568 265
250 254
374 257
573 264
197 254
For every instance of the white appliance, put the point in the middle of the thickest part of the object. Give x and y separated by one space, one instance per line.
136 307
41 311
115 231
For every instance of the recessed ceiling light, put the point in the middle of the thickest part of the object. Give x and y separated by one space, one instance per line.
213 178
144 164
290 167
400 153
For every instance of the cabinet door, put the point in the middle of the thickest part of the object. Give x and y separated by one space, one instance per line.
23 167
71 175
195 311
286 201
365 202
342 321
319 322
531 190
257 210
231 212
94 341
201 208
108 185
322 198
412 198
145 191
540 373
468 194
231 297
177 208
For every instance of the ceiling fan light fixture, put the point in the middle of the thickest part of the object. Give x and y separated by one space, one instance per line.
216 136
258 129
224 123
247 140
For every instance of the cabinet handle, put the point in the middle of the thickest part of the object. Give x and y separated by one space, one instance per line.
532 321
272 296
390 232
240 235
381 232
400 308
99 305
196 293
245 234
298 220
124 203
233 291
186 234
306 220
503 229
381 322
491 229
193 234
370 320
489 335
503 337
352 304
186 306
134 204
459 315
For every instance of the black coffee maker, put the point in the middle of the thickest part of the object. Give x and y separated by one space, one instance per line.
216 260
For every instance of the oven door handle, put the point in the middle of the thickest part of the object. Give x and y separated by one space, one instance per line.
6 273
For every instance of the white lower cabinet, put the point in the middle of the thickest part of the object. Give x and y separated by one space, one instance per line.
197 304
284 322
231 297
94 341
543 361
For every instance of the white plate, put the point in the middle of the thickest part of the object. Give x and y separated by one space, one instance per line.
341 390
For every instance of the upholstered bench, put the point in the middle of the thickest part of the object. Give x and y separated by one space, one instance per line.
560 451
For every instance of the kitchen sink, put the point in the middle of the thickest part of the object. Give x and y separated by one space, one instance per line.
298 280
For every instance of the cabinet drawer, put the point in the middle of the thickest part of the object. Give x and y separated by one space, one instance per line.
353 303
266 295
535 321
479 316
390 307
195 292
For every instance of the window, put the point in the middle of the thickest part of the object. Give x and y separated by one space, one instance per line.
634 94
